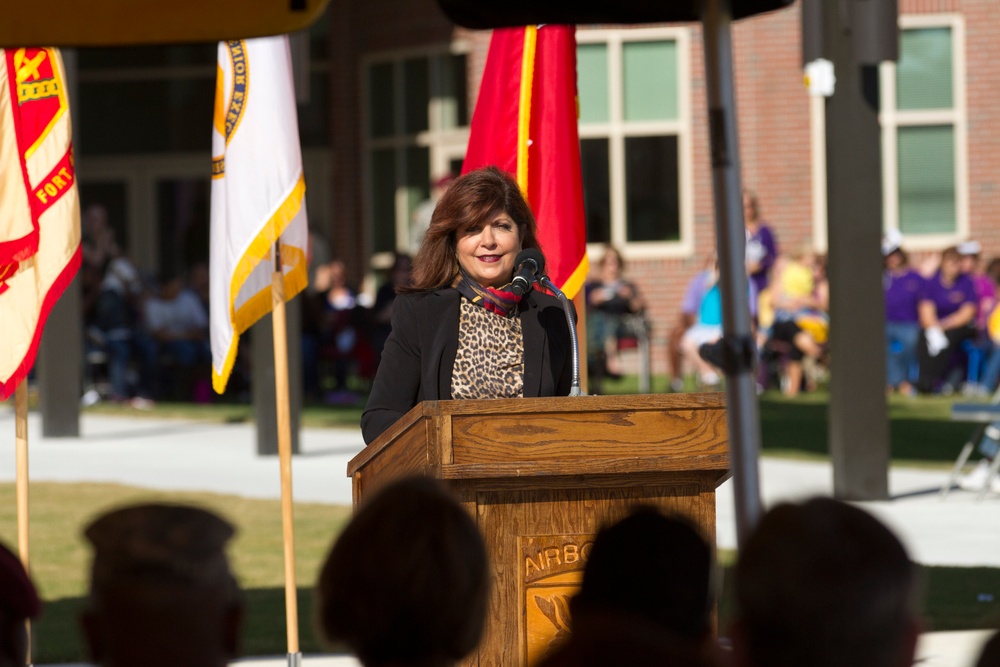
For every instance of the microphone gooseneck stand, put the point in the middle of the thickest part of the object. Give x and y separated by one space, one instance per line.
574 343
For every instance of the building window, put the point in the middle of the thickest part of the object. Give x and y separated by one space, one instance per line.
417 128
155 99
635 138
142 121
923 132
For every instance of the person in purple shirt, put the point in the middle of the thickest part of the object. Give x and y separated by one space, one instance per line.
903 288
981 347
947 311
761 247
984 284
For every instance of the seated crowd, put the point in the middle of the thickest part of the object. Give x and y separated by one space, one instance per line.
144 338
789 313
788 300
942 323
820 583
147 339
942 331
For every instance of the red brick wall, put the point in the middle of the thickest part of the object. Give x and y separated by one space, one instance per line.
357 29
773 111
773 114
982 53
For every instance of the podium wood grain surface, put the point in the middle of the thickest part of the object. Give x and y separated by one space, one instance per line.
541 476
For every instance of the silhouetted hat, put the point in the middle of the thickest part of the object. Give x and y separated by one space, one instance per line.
160 543
17 593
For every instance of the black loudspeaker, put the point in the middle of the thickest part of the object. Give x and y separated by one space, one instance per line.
480 15
873 26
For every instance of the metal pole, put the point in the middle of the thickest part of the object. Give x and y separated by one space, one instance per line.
858 413
738 349
574 389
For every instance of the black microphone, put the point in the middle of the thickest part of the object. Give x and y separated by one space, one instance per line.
529 263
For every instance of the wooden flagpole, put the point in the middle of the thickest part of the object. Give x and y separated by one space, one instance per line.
21 445
281 396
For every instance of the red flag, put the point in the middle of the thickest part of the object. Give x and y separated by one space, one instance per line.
526 123
40 227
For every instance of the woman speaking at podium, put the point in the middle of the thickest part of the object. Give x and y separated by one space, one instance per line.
458 330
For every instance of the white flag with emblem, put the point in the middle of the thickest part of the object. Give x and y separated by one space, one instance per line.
258 191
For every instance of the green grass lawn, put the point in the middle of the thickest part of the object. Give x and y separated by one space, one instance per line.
60 557
955 598
922 434
60 560
921 430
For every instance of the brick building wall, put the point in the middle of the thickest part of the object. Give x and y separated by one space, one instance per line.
982 53
774 128
773 107
357 29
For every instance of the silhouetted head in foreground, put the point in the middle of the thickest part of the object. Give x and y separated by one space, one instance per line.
824 584
406 583
654 566
646 596
990 654
18 603
161 591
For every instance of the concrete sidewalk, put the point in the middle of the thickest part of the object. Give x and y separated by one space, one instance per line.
202 456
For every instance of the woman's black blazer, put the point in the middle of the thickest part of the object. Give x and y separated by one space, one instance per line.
419 355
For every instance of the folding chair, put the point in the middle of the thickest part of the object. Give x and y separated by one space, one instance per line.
634 334
987 415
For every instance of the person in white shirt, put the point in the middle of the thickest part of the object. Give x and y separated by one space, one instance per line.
177 323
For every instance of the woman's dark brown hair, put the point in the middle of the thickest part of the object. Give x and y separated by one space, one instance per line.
470 200
612 250
950 254
904 258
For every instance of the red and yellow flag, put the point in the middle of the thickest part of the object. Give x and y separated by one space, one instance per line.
526 123
40 225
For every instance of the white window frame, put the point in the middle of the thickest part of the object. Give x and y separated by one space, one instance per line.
891 118
443 144
616 130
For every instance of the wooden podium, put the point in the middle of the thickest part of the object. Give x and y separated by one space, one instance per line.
541 476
